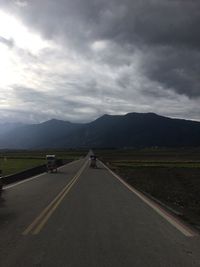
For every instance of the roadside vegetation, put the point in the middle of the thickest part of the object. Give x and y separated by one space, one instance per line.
171 176
16 161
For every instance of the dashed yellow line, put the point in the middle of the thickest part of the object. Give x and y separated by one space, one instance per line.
36 226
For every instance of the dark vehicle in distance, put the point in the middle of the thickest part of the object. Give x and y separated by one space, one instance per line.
93 160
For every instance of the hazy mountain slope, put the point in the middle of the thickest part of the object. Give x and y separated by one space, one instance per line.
38 135
130 130
7 127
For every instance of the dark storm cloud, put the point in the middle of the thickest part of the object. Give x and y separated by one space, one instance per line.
176 69
173 24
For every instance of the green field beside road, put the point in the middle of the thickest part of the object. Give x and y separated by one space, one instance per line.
11 166
16 161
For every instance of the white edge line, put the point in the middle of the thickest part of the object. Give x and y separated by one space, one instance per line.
24 181
170 218
37 176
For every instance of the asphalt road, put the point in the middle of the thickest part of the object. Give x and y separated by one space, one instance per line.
83 217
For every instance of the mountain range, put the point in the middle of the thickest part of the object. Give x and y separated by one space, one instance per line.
116 131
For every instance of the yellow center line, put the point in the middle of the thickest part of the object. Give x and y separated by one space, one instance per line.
39 222
48 215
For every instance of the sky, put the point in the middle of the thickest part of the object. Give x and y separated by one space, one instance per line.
77 60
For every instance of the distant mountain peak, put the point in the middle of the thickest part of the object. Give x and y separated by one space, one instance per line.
128 130
55 121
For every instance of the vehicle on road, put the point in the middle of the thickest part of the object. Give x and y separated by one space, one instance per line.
93 163
51 163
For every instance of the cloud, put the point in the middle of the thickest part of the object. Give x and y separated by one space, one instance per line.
7 42
97 56
175 69
21 3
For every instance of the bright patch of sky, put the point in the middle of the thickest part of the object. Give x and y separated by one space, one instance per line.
13 30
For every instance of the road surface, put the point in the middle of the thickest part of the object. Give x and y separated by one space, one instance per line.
83 217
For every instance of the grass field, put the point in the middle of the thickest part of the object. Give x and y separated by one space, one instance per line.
10 165
16 161
170 175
